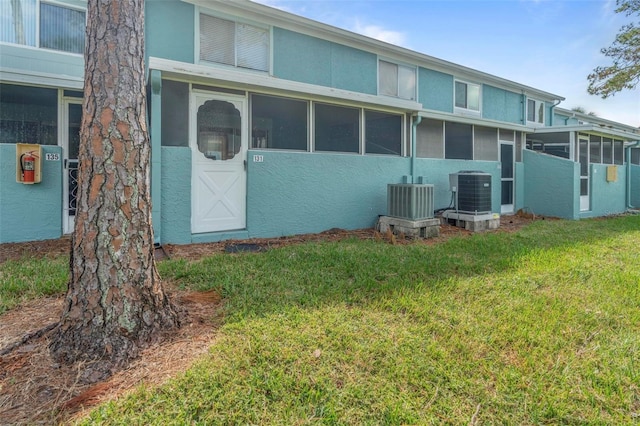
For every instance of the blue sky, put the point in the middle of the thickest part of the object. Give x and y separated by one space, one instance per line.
551 45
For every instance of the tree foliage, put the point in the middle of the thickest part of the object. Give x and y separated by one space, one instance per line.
624 72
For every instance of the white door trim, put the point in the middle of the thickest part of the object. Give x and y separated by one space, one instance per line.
218 187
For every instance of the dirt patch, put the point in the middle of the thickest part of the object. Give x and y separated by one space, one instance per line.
36 390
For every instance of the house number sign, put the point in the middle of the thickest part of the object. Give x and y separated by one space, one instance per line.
52 156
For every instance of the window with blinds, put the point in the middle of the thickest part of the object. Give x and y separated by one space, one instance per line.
231 43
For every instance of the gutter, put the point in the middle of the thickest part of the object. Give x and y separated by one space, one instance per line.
628 192
414 149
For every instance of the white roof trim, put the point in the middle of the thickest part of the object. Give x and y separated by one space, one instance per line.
591 128
436 115
286 20
10 75
593 119
251 80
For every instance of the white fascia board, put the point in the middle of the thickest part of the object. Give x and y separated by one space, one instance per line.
9 75
591 128
444 116
258 81
265 14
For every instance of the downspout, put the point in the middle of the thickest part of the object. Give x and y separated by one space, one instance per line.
414 150
628 192
551 109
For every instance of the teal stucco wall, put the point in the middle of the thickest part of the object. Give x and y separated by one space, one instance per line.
551 185
296 193
436 172
175 200
30 212
635 186
435 90
502 105
606 198
293 193
170 30
307 59
519 201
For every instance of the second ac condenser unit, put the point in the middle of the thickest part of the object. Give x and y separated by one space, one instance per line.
410 201
472 191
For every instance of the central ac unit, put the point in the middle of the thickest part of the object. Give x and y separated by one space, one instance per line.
410 201
472 191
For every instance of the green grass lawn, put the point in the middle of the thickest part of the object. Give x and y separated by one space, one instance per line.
541 326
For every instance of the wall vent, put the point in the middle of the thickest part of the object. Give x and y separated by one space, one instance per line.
472 191
410 201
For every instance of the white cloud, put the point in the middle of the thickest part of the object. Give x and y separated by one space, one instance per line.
374 31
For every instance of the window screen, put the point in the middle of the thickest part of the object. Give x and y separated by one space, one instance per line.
461 95
396 80
618 152
458 141
506 196
595 149
383 133
278 123
388 74
467 96
28 115
635 156
506 135
430 139
531 110
518 147
485 143
175 113
607 150
406 83
62 28
337 128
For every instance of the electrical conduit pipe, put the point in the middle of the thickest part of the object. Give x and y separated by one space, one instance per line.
416 120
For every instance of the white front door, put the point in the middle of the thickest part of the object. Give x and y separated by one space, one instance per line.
218 140
71 119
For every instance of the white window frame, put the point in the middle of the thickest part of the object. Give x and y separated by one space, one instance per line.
235 22
410 68
538 121
466 110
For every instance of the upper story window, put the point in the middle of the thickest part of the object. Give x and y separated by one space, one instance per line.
40 24
396 80
467 96
233 43
535 112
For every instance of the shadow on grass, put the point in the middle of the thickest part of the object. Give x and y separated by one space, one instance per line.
359 272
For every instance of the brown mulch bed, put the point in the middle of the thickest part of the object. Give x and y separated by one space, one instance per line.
36 390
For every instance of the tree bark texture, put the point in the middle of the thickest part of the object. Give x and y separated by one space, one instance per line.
115 304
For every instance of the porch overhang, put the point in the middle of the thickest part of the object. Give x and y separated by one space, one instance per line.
477 120
264 83
591 129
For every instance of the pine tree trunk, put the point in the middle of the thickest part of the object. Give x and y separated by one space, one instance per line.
115 304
